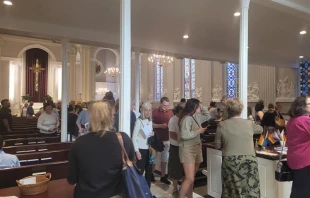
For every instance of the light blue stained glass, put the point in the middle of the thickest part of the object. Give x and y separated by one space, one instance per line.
189 78
159 82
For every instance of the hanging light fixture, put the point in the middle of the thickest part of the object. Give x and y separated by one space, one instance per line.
160 59
112 71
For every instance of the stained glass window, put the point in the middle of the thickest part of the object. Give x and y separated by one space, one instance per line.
159 84
189 78
304 78
232 73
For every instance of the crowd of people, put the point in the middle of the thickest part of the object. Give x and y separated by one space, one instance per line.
96 170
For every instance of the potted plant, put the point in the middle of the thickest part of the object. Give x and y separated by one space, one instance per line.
48 98
26 98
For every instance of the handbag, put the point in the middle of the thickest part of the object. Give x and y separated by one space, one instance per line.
283 173
133 183
280 123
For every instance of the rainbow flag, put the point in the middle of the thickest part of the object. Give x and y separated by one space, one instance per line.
262 140
276 136
271 139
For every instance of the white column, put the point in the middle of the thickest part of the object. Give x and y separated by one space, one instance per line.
243 56
64 94
71 73
125 75
137 79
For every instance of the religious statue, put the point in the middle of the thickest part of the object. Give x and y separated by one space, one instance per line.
253 91
217 93
199 94
36 69
285 89
176 94
150 96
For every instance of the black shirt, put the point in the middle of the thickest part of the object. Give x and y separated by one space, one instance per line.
269 119
95 165
5 113
72 127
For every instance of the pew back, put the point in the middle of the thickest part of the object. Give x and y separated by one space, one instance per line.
37 148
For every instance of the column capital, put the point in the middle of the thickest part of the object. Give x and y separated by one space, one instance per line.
64 42
244 3
2 42
71 49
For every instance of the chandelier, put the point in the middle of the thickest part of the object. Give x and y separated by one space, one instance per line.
112 71
102 91
160 59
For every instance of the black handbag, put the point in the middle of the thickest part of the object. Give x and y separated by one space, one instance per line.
133 183
283 173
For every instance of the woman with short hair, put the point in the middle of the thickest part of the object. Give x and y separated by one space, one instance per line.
143 129
298 143
48 121
95 159
239 164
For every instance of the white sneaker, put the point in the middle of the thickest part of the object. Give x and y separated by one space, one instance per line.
205 172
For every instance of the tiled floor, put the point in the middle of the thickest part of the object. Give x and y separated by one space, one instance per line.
165 191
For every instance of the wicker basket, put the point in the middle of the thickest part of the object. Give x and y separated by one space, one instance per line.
34 189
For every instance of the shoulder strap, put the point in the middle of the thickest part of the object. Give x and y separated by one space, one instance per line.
125 157
195 121
141 122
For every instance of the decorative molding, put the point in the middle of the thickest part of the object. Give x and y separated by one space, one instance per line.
217 93
253 91
285 89
2 42
198 93
150 97
71 49
293 5
112 50
42 47
165 92
285 99
176 94
11 59
29 40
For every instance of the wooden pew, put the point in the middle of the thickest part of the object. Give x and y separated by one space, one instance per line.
26 135
43 157
33 140
59 170
37 148
25 131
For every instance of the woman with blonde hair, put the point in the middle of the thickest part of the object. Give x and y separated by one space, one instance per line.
239 164
142 131
95 159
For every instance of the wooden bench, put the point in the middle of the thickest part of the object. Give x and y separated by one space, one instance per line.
33 140
25 131
59 170
37 148
43 157
26 135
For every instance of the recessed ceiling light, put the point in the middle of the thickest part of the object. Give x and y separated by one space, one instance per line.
303 32
301 56
237 14
8 2
185 36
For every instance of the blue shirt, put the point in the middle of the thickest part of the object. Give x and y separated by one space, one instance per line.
83 119
30 110
8 160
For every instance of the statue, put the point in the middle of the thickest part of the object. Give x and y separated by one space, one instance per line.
150 97
253 91
217 93
285 89
199 94
176 94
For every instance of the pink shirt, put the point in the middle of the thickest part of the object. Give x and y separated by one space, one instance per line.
298 142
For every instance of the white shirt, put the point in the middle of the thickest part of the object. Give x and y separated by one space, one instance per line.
174 127
139 139
47 121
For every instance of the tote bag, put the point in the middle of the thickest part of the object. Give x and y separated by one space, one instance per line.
134 184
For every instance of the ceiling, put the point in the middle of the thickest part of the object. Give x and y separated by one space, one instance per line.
158 26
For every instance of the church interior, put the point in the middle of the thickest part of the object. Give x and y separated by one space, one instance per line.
78 51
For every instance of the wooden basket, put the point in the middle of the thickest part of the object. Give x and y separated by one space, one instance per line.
34 189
